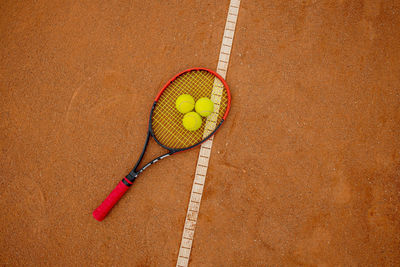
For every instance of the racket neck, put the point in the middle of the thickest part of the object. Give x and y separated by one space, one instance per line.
134 174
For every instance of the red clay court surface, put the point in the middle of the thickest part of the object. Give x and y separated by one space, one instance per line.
305 171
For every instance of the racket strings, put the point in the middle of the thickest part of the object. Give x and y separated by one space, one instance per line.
197 82
167 120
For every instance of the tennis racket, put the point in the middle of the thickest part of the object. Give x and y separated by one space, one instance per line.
165 123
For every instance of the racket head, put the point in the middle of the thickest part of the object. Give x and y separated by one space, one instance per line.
166 121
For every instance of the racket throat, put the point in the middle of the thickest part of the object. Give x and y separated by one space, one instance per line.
130 178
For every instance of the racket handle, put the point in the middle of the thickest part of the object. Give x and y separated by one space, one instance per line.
101 212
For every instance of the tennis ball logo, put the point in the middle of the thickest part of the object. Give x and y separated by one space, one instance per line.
184 103
204 106
192 121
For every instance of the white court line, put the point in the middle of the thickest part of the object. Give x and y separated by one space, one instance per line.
205 149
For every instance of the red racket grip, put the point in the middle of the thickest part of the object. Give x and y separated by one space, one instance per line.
101 212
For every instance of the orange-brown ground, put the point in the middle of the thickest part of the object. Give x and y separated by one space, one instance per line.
305 172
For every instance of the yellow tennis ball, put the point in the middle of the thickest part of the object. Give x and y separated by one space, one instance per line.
204 106
184 103
192 121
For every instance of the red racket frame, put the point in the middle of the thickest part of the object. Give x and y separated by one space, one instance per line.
101 212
